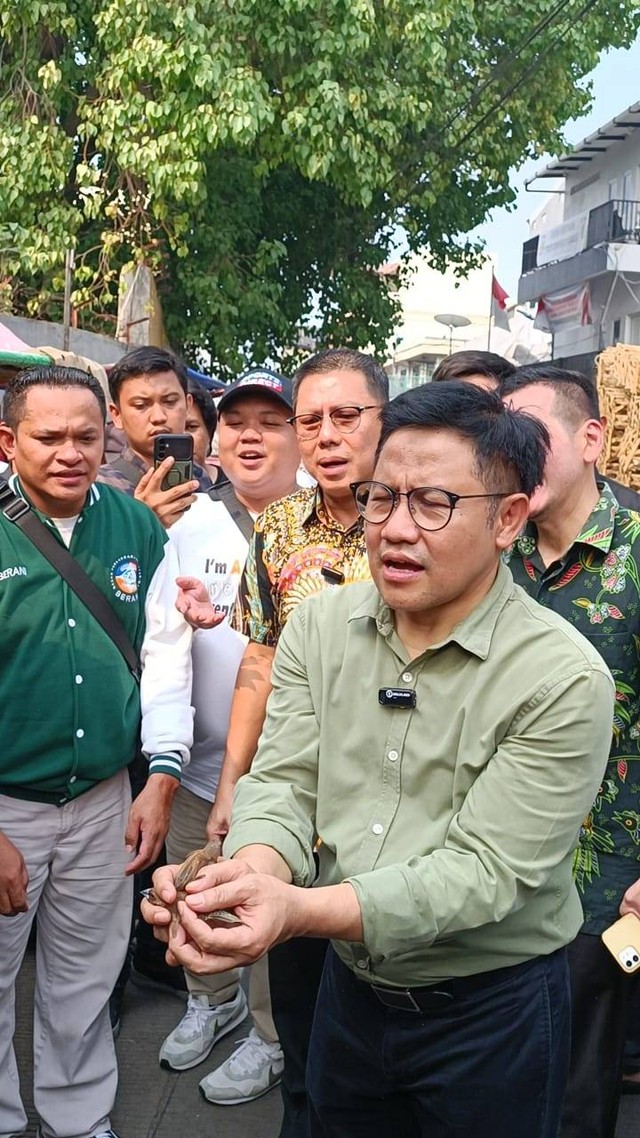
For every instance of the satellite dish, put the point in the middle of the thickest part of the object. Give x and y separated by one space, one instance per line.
451 320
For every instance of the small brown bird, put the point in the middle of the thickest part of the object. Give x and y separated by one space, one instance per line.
189 871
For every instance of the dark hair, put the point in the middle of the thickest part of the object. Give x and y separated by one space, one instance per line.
205 405
576 396
53 375
462 365
510 447
347 359
145 361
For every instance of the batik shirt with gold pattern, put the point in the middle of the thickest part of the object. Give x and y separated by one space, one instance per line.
295 539
596 587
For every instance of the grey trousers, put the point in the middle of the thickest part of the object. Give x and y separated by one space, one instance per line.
76 859
187 832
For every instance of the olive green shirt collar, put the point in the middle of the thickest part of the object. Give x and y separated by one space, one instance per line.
473 634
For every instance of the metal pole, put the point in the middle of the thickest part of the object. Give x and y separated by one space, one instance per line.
490 311
68 283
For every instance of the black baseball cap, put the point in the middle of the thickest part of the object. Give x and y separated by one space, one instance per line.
259 381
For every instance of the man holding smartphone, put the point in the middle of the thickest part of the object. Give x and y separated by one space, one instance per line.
149 392
149 400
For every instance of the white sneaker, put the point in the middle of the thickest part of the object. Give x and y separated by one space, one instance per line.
200 1028
102 1134
253 1069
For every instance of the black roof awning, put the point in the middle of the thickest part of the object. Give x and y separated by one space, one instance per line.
599 142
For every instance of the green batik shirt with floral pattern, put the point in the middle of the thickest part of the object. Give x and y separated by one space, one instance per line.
596 587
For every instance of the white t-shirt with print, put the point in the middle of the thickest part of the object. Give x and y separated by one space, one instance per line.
211 547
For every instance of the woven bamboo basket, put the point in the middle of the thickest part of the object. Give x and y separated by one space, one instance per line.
618 379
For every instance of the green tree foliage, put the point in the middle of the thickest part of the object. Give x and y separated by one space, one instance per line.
261 155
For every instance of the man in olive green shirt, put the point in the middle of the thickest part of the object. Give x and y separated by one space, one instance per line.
443 735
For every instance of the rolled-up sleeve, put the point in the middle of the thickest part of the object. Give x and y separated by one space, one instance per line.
518 823
275 804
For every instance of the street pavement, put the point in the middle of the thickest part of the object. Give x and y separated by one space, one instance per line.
153 1103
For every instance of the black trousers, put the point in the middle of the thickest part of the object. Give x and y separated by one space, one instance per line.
145 952
482 1056
632 1049
601 997
295 971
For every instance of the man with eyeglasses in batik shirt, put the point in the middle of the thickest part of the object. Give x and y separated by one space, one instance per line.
302 544
306 542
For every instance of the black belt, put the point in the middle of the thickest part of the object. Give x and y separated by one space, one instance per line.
439 997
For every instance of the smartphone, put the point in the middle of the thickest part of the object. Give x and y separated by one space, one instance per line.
623 941
180 448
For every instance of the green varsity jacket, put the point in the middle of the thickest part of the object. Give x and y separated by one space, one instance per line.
69 706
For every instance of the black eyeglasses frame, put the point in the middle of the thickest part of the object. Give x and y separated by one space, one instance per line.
408 494
320 418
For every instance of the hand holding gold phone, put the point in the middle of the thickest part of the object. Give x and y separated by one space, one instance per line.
623 941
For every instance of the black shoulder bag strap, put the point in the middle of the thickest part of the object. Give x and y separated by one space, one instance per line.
240 514
16 510
131 472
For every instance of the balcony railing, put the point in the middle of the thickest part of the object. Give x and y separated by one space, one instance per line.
616 220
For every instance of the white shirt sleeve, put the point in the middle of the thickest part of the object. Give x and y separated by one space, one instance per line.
165 686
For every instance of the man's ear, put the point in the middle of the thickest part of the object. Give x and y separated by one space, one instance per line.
594 435
511 519
115 416
7 441
189 402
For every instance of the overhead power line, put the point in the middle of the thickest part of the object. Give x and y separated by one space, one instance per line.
507 64
524 75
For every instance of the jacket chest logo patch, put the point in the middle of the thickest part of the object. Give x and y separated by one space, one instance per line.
125 578
13 571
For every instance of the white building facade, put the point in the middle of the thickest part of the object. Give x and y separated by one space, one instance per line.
582 261
424 337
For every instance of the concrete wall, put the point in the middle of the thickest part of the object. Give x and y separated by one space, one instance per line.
41 333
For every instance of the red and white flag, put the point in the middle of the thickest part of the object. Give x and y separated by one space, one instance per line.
499 294
499 297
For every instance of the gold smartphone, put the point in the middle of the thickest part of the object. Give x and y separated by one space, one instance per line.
623 941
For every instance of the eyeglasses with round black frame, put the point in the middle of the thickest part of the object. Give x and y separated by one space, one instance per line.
439 506
346 426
